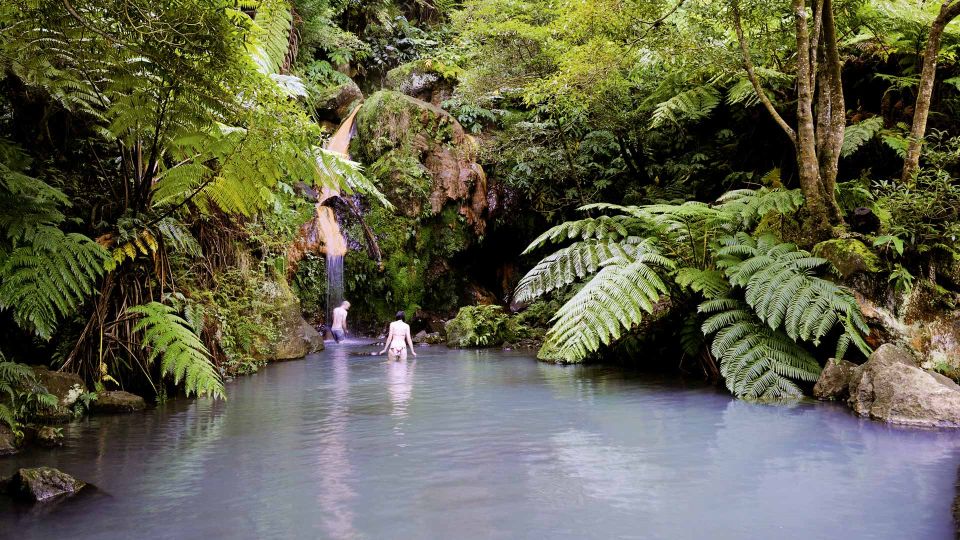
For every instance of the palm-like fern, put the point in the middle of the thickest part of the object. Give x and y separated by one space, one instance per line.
630 257
182 355
49 278
756 361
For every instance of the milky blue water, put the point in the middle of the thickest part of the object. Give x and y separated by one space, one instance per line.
490 444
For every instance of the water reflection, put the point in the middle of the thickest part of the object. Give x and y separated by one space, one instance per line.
400 386
482 444
332 465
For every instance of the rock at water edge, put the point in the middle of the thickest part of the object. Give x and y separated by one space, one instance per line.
42 484
117 401
890 387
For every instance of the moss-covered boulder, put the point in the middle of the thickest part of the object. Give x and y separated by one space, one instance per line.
425 79
423 161
848 255
8 441
421 157
295 337
336 102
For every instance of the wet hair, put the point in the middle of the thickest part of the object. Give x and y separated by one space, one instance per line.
401 315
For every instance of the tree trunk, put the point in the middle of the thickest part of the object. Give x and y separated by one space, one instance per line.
949 10
807 162
832 110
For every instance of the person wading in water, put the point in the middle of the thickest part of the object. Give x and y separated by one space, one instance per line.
398 339
339 327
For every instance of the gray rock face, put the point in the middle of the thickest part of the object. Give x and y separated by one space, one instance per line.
834 380
42 484
8 442
58 384
890 387
117 401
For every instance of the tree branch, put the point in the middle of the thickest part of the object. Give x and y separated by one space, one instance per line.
751 74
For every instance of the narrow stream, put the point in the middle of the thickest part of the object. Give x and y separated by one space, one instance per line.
490 444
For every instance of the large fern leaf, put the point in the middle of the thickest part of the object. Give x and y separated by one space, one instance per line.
613 301
182 355
43 281
756 361
783 291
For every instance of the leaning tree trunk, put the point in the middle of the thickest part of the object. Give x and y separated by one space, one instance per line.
949 10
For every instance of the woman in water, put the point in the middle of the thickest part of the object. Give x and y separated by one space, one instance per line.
398 339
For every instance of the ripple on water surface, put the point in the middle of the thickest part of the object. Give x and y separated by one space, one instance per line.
483 444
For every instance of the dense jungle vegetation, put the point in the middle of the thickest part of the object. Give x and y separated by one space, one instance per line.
734 176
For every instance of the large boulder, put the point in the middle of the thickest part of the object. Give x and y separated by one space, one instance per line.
297 338
422 157
41 484
117 401
892 388
60 385
834 380
337 101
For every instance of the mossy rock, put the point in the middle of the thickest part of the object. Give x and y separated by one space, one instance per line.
423 79
850 256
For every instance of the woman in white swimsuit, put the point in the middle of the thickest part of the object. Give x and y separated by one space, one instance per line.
398 339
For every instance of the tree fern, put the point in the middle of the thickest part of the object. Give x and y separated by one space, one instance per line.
756 361
182 355
856 135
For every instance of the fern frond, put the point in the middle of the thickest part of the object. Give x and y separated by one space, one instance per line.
690 105
781 288
614 300
856 135
709 283
48 279
756 361
182 355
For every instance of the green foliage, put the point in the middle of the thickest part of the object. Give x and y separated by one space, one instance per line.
182 355
687 106
756 362
706 254
479 326
779 286
856 135
20 394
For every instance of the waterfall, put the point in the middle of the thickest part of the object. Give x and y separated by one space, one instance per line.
335 247
326 225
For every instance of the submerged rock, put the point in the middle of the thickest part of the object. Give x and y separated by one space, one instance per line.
834 380
892 388
117 401
41 484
